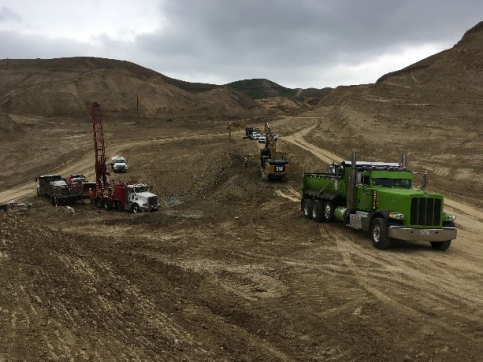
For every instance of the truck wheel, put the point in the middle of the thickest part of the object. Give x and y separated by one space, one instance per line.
99 203
308 206
318 211
135 209
379 233
441 245
108 205
328 214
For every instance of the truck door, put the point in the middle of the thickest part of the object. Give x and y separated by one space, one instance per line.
364 192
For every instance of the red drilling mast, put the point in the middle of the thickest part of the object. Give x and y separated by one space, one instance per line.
100 149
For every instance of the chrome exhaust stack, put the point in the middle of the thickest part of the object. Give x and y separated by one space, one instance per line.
351 194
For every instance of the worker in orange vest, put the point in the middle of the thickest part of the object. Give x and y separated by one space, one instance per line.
91 194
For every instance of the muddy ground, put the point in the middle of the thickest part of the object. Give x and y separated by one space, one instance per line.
228 269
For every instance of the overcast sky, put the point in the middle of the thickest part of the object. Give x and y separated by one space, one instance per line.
295 43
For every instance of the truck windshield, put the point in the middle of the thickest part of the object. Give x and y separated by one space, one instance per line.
140 188
392 182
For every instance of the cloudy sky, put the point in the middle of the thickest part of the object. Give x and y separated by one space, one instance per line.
295 43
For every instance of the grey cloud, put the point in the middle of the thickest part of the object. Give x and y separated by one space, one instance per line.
294 43
6 14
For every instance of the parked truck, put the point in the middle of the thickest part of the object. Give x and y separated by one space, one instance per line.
59 190
128 196
378 197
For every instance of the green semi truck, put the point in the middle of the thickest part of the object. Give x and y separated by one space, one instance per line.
378 197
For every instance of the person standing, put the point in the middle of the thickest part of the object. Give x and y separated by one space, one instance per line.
246 162
91 195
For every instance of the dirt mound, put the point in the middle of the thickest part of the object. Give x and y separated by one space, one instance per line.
9 129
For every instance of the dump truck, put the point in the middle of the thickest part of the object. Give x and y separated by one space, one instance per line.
59 190
379 198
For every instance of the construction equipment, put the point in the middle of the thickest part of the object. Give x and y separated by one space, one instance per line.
273 164
59 190
378 197
130 196
248 129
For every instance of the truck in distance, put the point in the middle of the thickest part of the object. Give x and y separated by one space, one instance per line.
59 190
378 197
118 164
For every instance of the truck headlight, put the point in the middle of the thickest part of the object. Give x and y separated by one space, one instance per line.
448 217
396 216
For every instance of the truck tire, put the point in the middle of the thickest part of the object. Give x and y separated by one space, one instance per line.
135 208
318 210
308 206
328 211
108 205
441 245
380 233
99 203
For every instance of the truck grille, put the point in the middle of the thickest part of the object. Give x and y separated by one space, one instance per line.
425 211
152 201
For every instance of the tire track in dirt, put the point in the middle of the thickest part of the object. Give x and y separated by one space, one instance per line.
430 301
438 290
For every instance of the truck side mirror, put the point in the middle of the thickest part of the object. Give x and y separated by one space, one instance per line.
424 181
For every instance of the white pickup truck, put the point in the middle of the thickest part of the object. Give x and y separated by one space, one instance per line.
118 164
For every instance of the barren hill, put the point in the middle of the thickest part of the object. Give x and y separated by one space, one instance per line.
279 98
67 87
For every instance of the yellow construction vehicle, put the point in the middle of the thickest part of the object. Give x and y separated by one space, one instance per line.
273 163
